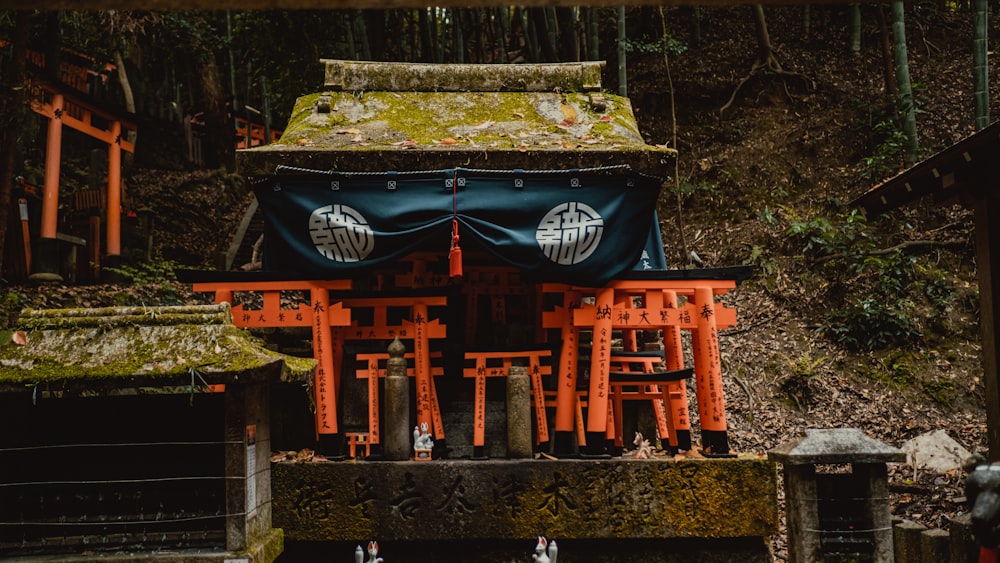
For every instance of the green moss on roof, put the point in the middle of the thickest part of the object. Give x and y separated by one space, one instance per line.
123 346
480 121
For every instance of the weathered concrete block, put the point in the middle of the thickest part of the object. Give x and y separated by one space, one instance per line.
934 546
906 540
507 499
964 548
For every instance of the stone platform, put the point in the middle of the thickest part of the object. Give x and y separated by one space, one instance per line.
660 510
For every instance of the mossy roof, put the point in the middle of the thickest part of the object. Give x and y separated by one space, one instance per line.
137 347
380 130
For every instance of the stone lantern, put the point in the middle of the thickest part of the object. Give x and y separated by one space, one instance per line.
836 496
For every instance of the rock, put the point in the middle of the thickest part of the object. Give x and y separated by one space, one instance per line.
935 450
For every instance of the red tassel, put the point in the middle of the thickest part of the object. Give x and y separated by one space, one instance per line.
455 256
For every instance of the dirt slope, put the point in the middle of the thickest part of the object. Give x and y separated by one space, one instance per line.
793 149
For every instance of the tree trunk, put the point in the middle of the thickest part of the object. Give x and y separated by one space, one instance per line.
622 72
124 82
219 132
905 99
855 39
594 33
458 51
696 25
14 108
569 39
503 18
373 29
980 70
361 34
888 76
544 34
352 45
530 34
426 44
765 52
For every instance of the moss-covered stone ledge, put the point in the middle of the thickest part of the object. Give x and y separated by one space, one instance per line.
137 346
360 76
518 500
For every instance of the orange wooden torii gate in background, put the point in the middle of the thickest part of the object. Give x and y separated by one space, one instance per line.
65 106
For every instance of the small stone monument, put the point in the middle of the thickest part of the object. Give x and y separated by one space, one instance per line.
837 496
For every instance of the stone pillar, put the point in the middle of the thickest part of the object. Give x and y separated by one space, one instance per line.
518 413
396 422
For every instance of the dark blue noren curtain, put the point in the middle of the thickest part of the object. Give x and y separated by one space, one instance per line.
577 226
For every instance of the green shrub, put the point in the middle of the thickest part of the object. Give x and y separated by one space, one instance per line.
872 323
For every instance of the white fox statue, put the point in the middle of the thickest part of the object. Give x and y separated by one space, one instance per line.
359 554
545 552
644 451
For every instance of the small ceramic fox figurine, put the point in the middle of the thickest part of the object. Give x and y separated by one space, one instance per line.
359 555
644 451
545 552
373 552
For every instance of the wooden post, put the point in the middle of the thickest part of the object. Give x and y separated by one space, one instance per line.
22 209
987 229
673 356
422 364
373 403
46 256
600 367
479 412
708 375
114 214
541 419
566 399
325 386
53 148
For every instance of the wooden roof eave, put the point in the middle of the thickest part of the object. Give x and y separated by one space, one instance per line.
262 161
956 174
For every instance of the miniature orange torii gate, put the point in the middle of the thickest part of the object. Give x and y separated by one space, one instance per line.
536 369
64 108
700 314
318 314
375 369
323 314
421 329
